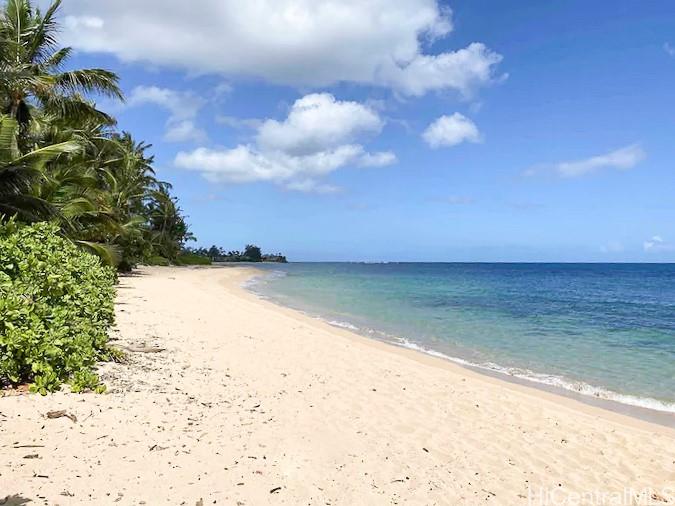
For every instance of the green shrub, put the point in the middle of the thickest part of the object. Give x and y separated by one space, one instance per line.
157 260
56 306
192 259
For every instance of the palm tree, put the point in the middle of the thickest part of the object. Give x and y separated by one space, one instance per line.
62 159
19 173
168 230
31 68
100 192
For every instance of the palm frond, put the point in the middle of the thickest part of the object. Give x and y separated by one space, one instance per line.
74 109
88 81
8 146
43 33
78 207
27 207
108 253
48 153
55 60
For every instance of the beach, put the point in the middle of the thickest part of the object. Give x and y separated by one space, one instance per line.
229 399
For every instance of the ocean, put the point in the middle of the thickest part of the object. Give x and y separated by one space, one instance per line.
603 330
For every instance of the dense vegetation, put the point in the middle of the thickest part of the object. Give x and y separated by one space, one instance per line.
62 159
56 305
187 258
71 185
251 253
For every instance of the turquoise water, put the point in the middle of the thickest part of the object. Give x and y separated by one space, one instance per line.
606 330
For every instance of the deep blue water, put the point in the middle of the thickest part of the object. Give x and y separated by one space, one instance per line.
600 329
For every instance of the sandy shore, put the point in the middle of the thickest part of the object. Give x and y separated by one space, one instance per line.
251 404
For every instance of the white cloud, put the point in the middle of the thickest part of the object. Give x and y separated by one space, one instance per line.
297 42
317 122
668 48
318 137
379 159
450 131
464 71
184 131
182 106
657 245
621 159
74 23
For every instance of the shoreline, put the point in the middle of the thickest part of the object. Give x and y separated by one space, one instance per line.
250 402
632 412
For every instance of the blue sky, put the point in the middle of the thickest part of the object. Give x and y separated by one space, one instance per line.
465 131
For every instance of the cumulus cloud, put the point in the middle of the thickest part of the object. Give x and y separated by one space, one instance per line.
621 159
319 136
182 106
317 122
450 131
657 245
297 42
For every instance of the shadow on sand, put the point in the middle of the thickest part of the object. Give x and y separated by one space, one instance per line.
14 500
132 274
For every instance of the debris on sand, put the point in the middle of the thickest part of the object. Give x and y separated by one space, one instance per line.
143 349
60 414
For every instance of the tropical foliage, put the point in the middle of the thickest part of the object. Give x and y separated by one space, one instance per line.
187 258
71 185
62 159
56 305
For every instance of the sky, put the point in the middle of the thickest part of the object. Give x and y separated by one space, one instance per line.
415 130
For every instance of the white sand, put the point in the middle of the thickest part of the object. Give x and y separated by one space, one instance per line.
249 397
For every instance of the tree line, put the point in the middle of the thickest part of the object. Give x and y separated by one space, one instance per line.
251 253
63 160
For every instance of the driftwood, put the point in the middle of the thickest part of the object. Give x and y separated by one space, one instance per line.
143 349
60 414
